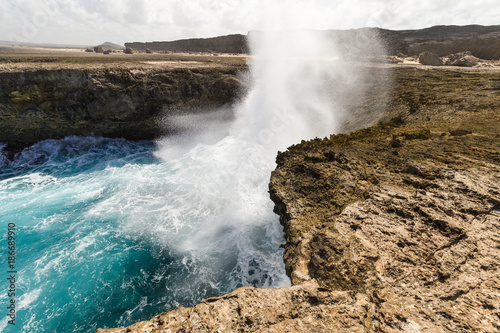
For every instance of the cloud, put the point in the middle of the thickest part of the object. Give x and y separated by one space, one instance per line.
94 21
136 12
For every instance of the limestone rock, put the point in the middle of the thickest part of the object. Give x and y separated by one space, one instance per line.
462 59
416 232
51 104
305 308
431 59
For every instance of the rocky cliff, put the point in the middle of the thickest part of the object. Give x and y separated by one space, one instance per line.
111 101
393 228
482 41
221 44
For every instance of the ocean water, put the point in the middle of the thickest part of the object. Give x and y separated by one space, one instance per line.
110 232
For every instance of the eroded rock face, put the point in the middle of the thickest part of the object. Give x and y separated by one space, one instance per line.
307 308
50 104
383 237
413 226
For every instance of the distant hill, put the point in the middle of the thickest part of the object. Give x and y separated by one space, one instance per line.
482 41
105 45
111 46
222 44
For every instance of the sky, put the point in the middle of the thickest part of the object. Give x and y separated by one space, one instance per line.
92 22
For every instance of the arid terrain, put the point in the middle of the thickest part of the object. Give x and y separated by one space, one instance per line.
391 226
28 58
49 93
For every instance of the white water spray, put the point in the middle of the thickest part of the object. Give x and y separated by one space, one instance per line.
217 208
293 90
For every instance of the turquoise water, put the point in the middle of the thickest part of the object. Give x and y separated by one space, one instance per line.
110 232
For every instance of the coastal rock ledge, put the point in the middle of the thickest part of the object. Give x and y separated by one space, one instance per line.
394 228
114 101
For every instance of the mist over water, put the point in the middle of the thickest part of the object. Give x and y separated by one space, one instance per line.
112 232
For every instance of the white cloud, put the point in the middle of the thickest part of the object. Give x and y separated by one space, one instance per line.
136 12
94 21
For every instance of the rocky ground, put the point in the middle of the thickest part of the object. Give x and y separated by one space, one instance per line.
406 213
393 228
28 58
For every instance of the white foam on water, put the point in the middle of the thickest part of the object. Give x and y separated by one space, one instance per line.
27 299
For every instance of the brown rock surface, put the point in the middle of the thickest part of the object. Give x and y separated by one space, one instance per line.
416 227
463 59
307 308
411 230
383 237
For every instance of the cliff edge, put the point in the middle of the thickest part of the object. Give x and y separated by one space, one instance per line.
53 95
393 228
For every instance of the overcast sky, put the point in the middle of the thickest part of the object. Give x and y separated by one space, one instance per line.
91 22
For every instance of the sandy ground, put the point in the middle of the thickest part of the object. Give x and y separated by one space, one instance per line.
31 58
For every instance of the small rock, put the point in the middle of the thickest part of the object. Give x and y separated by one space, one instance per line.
460 132
129 50
395 142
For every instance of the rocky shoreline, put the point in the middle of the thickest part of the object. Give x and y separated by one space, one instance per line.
393 228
